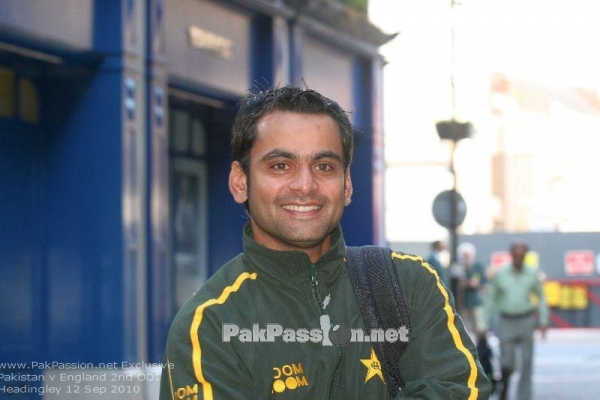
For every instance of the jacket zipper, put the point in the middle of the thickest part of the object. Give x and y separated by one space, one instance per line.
314 283
315 288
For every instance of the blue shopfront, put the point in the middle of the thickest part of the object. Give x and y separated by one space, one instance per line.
114 131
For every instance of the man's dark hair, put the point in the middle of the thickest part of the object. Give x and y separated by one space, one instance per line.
287 98
437 245
519 243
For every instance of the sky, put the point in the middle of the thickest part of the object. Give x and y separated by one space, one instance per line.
554 43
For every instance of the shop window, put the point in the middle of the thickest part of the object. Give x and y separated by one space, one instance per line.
188 200
198 138
180 134
7 93
25 95
28 102
189 227
188 136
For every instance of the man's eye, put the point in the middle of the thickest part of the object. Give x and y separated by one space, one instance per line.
279 166
324 167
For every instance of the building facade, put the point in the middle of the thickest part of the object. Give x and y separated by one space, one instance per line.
114 155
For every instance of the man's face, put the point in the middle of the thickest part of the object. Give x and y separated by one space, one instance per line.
296 188
518 255
468 258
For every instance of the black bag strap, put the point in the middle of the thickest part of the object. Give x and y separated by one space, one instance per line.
382 305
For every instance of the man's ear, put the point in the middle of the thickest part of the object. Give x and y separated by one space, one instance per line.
238 183
348 188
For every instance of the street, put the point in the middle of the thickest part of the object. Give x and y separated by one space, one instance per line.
567 365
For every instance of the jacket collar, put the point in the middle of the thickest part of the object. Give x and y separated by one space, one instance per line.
292 267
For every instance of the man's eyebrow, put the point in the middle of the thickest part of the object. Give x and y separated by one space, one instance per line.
278 153
328 154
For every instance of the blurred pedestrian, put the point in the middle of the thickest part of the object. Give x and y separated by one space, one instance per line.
471 285
436 259
510 292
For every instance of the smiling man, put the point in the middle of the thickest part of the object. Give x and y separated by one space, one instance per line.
296 184
259 328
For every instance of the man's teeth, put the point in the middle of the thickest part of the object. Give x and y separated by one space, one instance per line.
301 208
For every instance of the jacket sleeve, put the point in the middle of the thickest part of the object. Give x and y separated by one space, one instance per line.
201 364
489 303
544 313
440 360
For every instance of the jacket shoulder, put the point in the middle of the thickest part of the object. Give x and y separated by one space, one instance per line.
232 277
411 265
417 277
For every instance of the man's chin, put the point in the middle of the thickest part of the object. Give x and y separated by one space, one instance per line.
305 243
308 240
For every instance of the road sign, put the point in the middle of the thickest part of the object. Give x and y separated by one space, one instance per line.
442 209
579 262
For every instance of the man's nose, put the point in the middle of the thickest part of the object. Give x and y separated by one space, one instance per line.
304 180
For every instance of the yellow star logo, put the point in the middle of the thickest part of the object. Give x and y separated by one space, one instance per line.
373 366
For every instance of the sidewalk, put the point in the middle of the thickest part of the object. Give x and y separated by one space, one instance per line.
567 365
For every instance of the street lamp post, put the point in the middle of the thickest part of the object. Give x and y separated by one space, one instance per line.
450 210
454 131
450 203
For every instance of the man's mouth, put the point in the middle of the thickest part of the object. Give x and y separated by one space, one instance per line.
298 208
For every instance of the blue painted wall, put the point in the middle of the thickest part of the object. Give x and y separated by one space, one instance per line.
22 196
358 217
64 191
85 246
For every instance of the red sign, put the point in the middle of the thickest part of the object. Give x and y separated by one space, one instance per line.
579 262
500 259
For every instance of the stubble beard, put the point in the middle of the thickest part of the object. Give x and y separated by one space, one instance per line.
289 236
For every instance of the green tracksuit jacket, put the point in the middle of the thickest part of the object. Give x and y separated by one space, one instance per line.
218 346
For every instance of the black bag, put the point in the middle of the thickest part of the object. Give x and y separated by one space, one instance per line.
485 355
382 305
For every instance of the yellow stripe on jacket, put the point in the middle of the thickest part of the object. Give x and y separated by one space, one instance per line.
471 384
196 345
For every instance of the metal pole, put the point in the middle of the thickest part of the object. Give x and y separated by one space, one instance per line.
454 269
453 207
454 278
